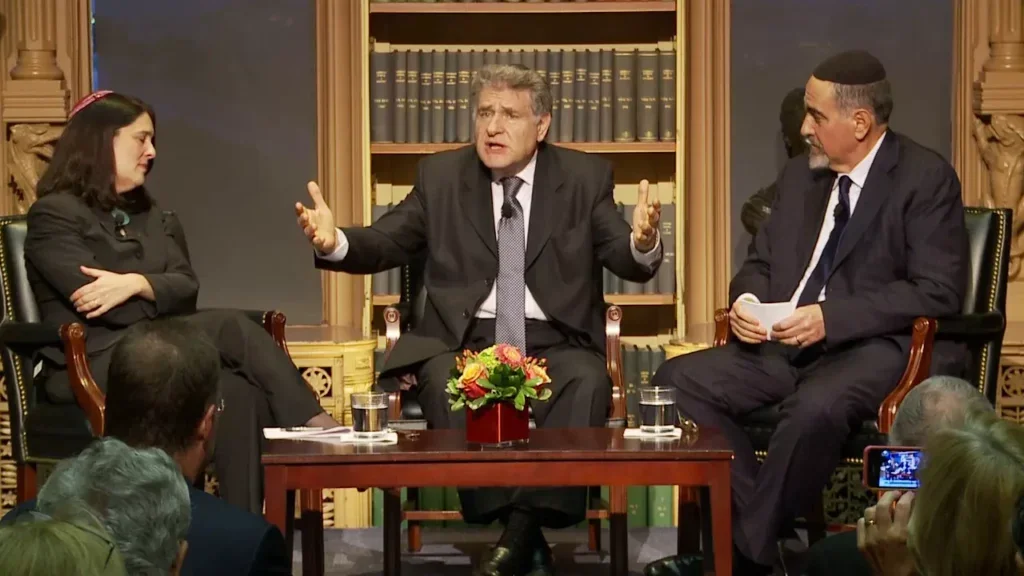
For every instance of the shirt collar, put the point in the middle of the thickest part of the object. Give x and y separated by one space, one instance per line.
859 174
527 173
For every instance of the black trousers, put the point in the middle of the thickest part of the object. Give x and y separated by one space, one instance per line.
261 388
824 396
580 396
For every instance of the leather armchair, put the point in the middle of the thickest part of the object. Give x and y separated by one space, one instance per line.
405 413
980 326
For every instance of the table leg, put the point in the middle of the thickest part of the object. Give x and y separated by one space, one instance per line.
392 531
721 517
618 534
275 497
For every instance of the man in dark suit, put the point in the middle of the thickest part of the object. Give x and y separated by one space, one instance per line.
867 232
162 392
514 234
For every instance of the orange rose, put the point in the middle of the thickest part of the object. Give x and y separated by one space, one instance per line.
509 355
538 371
469 381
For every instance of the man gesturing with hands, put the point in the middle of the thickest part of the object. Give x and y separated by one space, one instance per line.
512 235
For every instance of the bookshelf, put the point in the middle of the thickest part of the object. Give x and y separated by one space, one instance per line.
436 36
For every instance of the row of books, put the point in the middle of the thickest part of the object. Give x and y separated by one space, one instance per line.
496 1
646 505
600 94
389 282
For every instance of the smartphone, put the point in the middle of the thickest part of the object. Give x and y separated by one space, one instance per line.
892 467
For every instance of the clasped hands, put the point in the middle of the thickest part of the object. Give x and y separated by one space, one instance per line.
804 327
107 290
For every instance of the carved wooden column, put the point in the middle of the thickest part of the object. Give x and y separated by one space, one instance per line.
988 149
342 59
44 45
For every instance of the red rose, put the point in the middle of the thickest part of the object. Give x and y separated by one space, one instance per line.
472 390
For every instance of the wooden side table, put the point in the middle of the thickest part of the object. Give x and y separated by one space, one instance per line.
337 361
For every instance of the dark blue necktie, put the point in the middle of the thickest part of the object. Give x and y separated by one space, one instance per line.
820 273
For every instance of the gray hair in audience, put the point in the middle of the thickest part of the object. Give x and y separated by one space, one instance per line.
515 77
138 495
938 402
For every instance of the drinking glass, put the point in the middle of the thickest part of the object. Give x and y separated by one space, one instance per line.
657 410
369 414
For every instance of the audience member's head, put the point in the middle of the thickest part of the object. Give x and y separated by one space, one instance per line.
162 391
971 482
38 545
938 402
106 150
848 101
138 495
513 114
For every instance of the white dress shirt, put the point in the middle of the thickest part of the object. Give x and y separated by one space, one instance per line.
857 176
525 197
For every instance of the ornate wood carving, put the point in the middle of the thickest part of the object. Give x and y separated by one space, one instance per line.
1001 145
31 148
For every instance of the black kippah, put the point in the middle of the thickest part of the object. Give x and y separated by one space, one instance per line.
850 68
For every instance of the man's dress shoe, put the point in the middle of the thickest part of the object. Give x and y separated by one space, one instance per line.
500 561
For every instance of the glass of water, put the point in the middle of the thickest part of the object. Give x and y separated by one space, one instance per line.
369 414
657 410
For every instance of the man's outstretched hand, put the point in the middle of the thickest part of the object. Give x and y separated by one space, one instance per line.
317 223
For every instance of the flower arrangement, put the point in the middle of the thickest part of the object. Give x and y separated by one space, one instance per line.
500 373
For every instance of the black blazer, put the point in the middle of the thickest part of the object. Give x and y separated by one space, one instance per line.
222 539
448 219
904 252
64 233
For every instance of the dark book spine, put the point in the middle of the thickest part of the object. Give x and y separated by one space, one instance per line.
412 98
593 96
395 281
437 99
476 61
530 58
667 95
645 366
462 120
565 128
667 271
625 112
401 95
490 57
426 89
647 96
579 130
541 64
631 374
555 80
451 77
516 57
381 125
607 97
504 57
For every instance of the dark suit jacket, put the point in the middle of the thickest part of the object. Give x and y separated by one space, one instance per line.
222 539
64 233
448 219
904 252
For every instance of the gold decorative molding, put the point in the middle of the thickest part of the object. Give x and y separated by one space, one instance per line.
342 130
707 236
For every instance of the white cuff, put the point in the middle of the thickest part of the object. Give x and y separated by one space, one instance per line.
650 258
339 252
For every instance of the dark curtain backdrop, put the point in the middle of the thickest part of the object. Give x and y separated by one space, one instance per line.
777 43
233 83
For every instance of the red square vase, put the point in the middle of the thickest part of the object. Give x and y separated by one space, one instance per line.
498 424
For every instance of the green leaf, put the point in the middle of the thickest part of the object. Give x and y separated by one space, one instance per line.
529 392
476 404
545 394
458 405
485 384
520 401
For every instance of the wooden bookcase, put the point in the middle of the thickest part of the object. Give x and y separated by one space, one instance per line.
651 319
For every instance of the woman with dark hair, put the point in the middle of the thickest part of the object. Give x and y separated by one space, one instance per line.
100 252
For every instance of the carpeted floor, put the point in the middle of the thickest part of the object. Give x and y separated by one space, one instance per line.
450 552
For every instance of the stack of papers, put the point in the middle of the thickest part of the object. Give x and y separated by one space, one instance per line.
769 314
300 432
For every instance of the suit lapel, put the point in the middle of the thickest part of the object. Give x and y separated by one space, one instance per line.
476 201
877 188
814 216
546 183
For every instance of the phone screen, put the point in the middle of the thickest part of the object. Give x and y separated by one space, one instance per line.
891 468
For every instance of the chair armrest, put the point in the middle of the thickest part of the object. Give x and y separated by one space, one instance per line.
918 366
723 331
613 352
985 326
90 398
273 322
28 337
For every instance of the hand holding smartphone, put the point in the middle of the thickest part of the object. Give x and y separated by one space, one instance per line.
892 467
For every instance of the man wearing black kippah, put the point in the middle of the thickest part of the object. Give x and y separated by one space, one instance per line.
866 234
